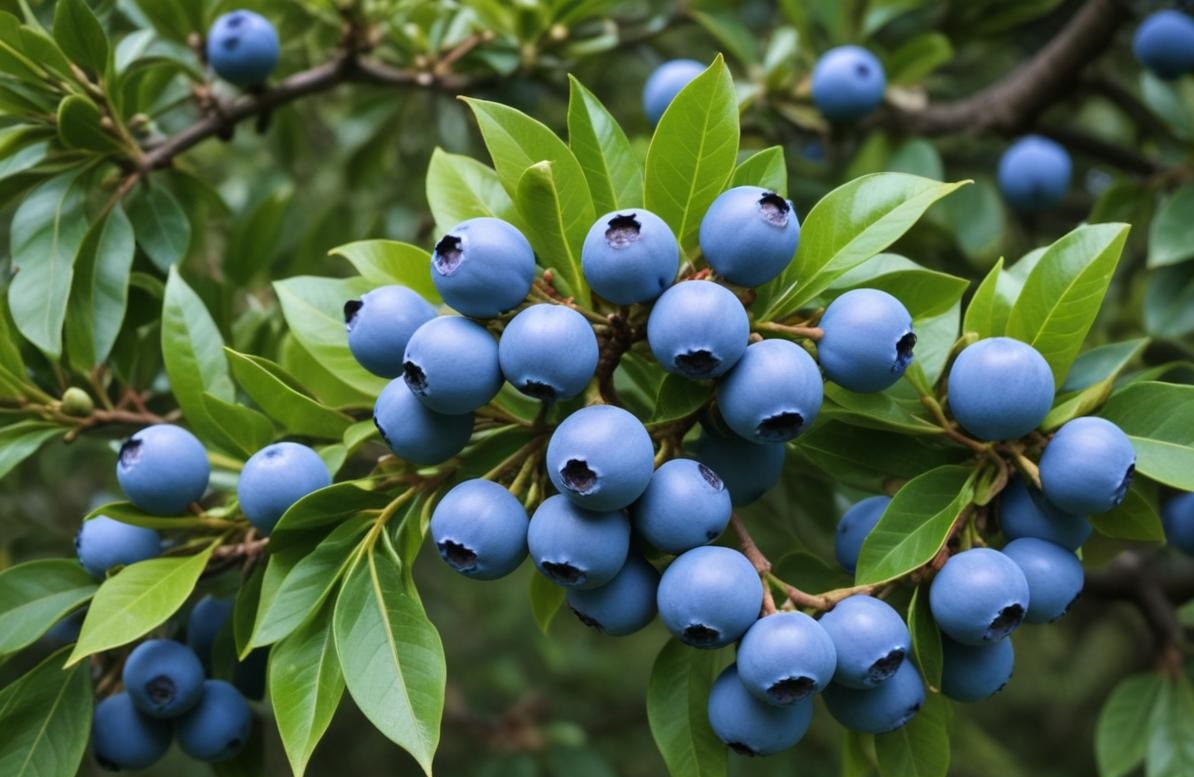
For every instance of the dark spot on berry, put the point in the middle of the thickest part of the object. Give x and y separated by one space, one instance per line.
273 452
904 348
700 635
592 623
538 390
622 231
130 452
775 209
161 690
351 308
563 573
712 535
710 477
908 715
1073 601
236 19
230 43
885 667
577 476
1124 484
415 378
742 749
385 438
457 556
780 427
696 363
791 689
448 253
862 70
1005 622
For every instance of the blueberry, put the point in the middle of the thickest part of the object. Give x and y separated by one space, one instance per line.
1164 43
749 235
451 365
1034 173
66 631
698 329
1088 465
685 505
601 458
751 727
218 727
1025 512
415 433
665 82
773 393
207 618
1000 388
103 543
276 477
980 596
164 678
577 548
379 325
548 352
124 738
853 528
867 342
162 469
1178 519
483 267
480 530
242 47
975 672
709 596
786 657
871 640
1054 574
623 605
879 709
747 469
848 83
630 256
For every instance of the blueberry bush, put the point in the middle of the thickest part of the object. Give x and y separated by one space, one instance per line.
814 356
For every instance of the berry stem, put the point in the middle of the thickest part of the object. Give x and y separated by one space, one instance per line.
814 333
949 429
520 456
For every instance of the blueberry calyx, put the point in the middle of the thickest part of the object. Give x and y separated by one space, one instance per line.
622 231
449 251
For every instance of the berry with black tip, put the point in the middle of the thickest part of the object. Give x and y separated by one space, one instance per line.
380 323
773 393
164 678
848 83
871 639
601 457
980 596
483 267
622 606
480 530
577 548
786 657
218 727
883 708
709 596
1088 466
698 329
975 672
163 469
749 235
416 433
548 352
630 256
1000 388
122 737
752 727
276 477
242 47
1054 574
685 505
748 470
451 364
867 340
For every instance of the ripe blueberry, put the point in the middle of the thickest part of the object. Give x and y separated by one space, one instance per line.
1000 388
709 596
415 433
1034 173
577 548
1025 512
747 469
164 678
162 469
630 256
242 47
207 618
601 457
276 477
480 530
752 727
483 267
1088 465
218 727
124 738
980 596
749 235
685 505
623 605
1054 574
665 82
975 672
698 329
1164 43
786 657
867 342
854 527
1178 519
103 543
848 83
548 352
379 325
773 393
451 365
871 640
879 709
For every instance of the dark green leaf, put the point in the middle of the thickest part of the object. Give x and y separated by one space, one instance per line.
1170 744
99 295
21 440
610 165
921 748
36 595
869 455
917 58
1159 420
46 719
926 639
546 600
80 35
79 126
677 700
1091 380
277 393
554 230
733 36
162 227
679 397
256 238
1171 235
1134 519
1169 301
766 168
1121 736
321 508
305 685
460 188
385 262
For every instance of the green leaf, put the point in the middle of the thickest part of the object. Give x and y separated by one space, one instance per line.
1134 519
1063 293
99 295
915 525
610 165
80 36
677 702
305 686
280 396
766 168
47 232
1171 234
79 126
926 639
162 227
36 595
867 457
1159 420
844 229
392 657
249 430
1090 381
918 57
811 573
552 229
319 509
546 600
127 512
1169 301
257 236
136 600
1170 744
46 719
921 748
461 188
986 315
693 152
1121 735
21 440
679 397
385 262
888 410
